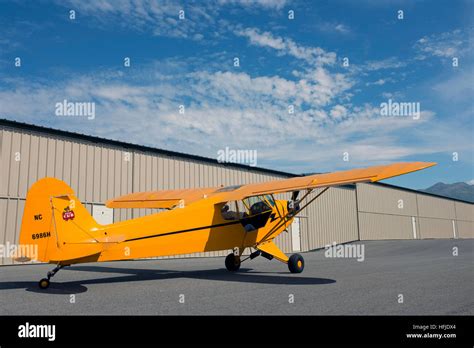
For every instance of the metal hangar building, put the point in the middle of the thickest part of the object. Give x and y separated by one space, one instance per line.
99 169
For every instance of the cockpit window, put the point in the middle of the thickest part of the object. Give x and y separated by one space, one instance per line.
256 205
270 200
236 210
230 211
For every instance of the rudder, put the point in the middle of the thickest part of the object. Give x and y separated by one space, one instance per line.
56 224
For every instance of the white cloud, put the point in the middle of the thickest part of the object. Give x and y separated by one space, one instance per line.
161 17
264 39
379 82
331 27
397 95
470 182
342 28
286 46
338 111
445 45
269 4
388 63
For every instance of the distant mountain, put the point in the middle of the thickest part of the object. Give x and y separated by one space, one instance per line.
458 190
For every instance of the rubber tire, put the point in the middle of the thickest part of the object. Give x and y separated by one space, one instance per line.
296 263
43 283
232 262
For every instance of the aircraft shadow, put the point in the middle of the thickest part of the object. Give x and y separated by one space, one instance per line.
245 275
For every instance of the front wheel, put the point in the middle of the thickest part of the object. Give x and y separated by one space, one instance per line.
43 283
232 262
296 263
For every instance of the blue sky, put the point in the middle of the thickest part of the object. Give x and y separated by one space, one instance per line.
283 62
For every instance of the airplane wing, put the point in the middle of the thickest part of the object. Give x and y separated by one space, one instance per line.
171 198
370 174
165 199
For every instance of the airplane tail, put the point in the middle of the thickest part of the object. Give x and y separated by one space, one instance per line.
56 227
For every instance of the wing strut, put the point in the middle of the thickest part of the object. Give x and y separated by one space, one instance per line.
284 218
311 200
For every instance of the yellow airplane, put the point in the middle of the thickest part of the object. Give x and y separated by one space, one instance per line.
193 220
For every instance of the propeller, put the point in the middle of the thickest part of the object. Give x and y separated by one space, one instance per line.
294 195
293 204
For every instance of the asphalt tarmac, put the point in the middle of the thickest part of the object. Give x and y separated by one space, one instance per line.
414 277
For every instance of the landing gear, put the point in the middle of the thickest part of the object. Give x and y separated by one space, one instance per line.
44 283
296 263
232 262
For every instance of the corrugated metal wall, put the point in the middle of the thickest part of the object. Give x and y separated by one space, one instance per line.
385 213
331 218
464 220
381 226
389 213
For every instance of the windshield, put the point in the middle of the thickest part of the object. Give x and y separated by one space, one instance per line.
256 205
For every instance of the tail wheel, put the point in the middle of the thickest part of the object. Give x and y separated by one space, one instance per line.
43 283
232 262
296 263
